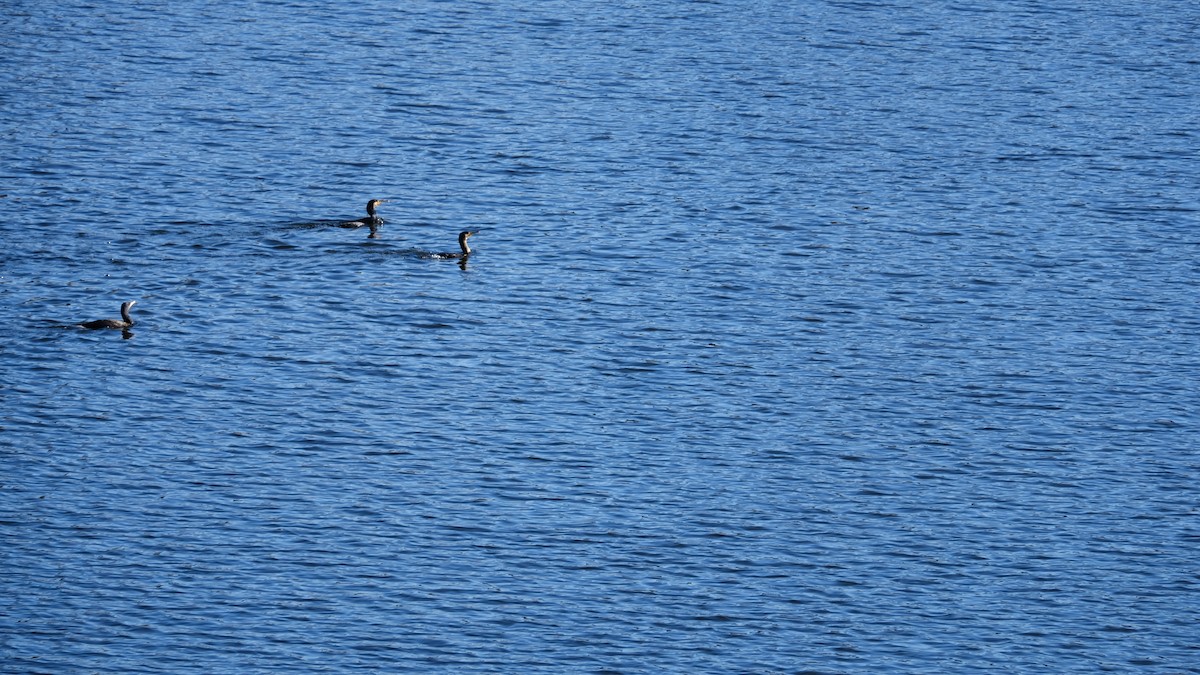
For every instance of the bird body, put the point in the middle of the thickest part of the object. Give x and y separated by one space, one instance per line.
462 244
372 220
125 321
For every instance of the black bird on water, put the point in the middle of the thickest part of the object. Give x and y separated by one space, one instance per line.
462 243
372 220
125 321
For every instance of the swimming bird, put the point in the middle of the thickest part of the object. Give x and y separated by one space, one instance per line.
371 219
462 243
125 321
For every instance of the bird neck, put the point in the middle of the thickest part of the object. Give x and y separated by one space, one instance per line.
125 314
462 243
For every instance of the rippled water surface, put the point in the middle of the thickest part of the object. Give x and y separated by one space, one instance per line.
830 336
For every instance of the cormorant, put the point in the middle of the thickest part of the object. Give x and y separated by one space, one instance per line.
125 322
462 243
371 219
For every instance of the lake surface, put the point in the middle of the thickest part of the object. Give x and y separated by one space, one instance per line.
827 337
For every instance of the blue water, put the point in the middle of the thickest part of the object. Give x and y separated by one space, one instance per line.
830 337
